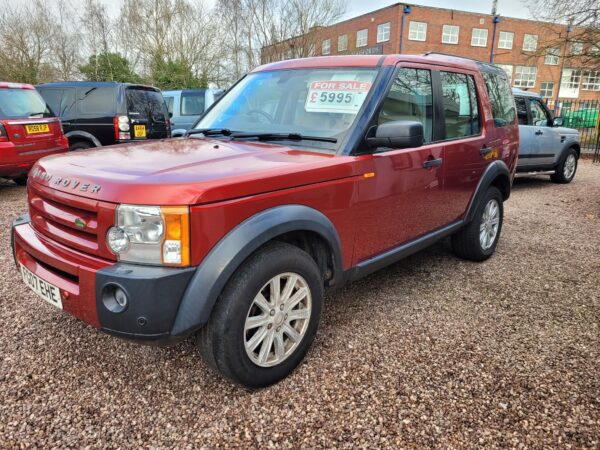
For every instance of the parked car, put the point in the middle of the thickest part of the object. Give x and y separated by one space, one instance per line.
307 174
187 106
28 131
94 114
545 145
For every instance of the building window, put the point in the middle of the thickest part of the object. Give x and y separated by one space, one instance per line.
525 76
547 89
383 32
362 36
571 79
552 56
479 37
326 47
508 68
342 43
591 80
505 40
450 34
576 48
530 42
417 31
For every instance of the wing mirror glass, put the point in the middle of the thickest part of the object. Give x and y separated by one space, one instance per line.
397 134
558 121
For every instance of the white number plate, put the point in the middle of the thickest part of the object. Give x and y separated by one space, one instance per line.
342 97
42 288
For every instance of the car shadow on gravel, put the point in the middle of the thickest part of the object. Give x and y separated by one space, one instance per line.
532 182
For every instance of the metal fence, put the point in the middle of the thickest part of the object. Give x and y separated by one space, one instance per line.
584 116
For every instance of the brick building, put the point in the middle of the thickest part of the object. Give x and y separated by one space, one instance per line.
521 47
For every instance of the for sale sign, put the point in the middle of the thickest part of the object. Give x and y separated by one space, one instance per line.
341 97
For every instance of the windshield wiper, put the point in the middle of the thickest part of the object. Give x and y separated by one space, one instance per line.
282 136
37 114
210 131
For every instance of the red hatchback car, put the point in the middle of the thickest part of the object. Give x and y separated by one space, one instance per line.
28 130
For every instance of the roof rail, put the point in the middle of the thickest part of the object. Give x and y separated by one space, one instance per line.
454 56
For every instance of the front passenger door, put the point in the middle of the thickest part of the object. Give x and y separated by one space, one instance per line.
547 139
404 198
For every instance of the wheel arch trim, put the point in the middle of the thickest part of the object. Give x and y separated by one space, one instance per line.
497 170
78 134
230 252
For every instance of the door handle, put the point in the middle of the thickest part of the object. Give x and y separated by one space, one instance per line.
428 164
486 151
539 132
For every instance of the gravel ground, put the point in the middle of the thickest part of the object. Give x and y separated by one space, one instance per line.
432 351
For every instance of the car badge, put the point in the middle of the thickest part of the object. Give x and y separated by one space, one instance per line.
80 223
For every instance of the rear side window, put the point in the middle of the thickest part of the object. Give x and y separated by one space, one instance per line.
170 101
410 98
460 105
146 103
22 104
192 103
501 98
99 101
521 110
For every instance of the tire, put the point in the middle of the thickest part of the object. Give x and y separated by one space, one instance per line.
467 243
566 168
79 146
224 340
21 181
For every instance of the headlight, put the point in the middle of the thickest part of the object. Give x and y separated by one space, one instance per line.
151 235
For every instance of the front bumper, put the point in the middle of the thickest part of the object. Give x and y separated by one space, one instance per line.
154 293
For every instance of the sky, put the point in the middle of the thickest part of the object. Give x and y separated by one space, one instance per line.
508 8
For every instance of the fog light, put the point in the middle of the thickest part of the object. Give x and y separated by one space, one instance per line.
115 299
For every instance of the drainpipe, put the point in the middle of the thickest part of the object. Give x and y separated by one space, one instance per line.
562 65
405 12
496 22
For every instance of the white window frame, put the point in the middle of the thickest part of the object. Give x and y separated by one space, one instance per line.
344 41
450 34
362 37
508 69
552 57
571 80
590 80
530 42
326 47
479 37
525 76
417 31
506 40
544 90
383 32
576 48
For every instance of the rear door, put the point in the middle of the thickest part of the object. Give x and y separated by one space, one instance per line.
147 112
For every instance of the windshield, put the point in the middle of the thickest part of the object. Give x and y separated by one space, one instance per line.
314 102
22 104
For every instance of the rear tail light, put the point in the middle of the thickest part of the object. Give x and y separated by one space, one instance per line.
62 130
3 134
122 128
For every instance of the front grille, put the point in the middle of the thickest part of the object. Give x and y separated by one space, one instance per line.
70 220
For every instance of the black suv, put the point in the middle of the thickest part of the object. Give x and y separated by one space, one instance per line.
94 114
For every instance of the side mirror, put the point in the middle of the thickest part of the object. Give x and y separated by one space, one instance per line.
558 122
397 134
170 115
180 132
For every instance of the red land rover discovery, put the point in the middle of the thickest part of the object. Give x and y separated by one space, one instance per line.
307 174
28 131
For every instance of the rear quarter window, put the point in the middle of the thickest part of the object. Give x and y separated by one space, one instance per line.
98 101
501 98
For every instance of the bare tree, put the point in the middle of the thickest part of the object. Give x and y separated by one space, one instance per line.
572 30
25 42
65 45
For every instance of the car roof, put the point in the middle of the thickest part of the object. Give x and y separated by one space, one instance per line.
371 61
522 93
65 84
175 91
9 85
